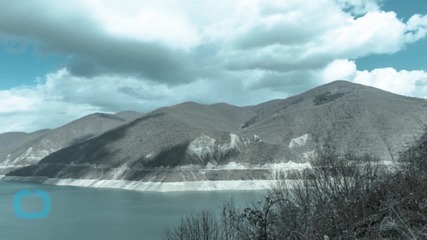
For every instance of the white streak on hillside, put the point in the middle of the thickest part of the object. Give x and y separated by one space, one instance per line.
299 141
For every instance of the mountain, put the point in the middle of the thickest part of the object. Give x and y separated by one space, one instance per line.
22 149
9 141
352 116
195 145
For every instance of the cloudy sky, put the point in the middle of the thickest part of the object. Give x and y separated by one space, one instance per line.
60 60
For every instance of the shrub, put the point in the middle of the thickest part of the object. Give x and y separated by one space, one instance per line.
339 197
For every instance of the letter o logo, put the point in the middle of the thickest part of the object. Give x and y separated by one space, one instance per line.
17 204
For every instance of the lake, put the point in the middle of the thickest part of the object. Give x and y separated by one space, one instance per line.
88 213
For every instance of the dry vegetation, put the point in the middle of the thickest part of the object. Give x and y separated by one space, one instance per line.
340 197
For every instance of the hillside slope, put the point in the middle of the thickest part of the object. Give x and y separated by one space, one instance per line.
352 116
21 149
194 142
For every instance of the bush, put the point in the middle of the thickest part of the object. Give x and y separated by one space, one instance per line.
200 226
414 160
339 197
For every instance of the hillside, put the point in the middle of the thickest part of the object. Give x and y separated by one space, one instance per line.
194 142
21 149
354 117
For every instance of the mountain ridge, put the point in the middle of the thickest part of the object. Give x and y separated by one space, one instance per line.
221 142
40 144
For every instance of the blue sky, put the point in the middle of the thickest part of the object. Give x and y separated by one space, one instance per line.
413 57
24 65
60 60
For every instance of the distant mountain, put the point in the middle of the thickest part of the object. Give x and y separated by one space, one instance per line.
191 142
10 140
22 149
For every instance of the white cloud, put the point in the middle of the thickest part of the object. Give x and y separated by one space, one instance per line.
146 54
61 97
271 35
342 69
145 21
358 7
375 32
401 82
295 35
31 111
416 27
16 101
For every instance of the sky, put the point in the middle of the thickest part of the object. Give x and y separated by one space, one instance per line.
61 60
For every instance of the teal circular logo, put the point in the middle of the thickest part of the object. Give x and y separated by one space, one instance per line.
21 195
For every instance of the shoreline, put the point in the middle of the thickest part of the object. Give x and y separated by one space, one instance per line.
187 186
222 185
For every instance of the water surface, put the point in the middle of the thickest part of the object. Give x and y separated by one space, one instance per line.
88 213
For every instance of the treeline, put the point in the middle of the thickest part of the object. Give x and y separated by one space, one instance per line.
340 197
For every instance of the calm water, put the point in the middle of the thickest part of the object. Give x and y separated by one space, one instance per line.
83 213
